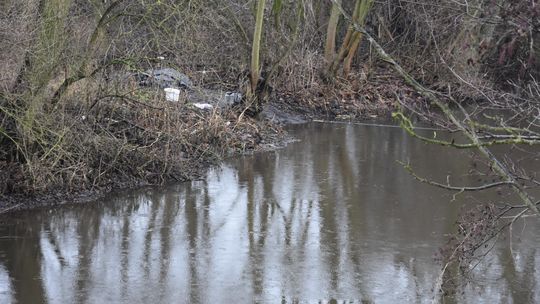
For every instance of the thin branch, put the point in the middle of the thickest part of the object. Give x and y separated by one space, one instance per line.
447 186
431 95
406 124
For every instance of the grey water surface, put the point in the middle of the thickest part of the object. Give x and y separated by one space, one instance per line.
331 218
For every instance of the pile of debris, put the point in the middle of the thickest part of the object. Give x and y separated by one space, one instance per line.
174 83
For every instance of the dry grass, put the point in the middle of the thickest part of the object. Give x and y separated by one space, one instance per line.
126 141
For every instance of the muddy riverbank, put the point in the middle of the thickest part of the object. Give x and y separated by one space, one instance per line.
202 139
130 145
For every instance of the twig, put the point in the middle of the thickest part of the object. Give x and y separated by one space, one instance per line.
450 187
5 210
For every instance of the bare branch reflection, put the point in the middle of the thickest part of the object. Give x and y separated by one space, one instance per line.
330 217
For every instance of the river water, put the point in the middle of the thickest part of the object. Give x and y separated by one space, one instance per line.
330 218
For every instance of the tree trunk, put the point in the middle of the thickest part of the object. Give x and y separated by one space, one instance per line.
465 51
330 49
364 9
347 63
352 39
256 46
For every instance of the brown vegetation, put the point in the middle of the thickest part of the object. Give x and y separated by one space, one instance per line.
72 119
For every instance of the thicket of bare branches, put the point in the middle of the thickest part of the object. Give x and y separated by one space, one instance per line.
73 117
492 61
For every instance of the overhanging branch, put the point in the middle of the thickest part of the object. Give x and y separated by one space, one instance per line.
431 95
448 186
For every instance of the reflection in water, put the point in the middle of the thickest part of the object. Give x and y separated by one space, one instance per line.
5 287
330 217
